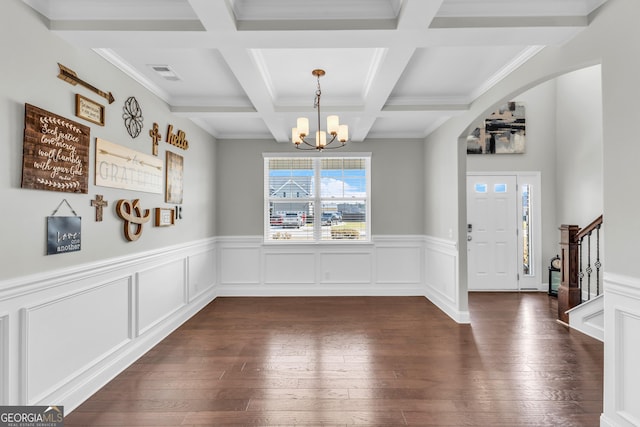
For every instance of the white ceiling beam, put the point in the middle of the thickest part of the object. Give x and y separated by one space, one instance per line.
415 15
90 34
248 75
214 15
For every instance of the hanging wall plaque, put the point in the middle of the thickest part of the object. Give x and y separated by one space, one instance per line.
121 167
55 152
63 232
174 178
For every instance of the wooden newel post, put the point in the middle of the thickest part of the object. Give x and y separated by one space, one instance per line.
568 291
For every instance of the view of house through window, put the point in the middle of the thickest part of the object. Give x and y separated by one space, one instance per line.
317 199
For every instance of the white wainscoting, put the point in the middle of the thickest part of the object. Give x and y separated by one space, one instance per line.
66 333
390 265
201 273
621 350
160 292
442 281
65 336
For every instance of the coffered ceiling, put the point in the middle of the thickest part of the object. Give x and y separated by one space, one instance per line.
242 68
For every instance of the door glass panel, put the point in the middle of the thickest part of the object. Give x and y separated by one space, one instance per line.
481 188
527 250
500 188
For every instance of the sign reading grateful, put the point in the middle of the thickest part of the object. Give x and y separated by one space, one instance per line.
55 152
122 167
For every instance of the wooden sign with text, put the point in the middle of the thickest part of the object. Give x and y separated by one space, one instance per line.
55 152
121 167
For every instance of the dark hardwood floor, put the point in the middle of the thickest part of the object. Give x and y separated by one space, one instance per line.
373 361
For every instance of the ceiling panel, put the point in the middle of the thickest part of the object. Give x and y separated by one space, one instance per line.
395 68
204 77
440 73
288 73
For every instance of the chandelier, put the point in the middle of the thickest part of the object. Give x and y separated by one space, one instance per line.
334 128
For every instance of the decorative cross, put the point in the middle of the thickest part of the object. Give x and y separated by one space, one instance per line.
155 137
98 203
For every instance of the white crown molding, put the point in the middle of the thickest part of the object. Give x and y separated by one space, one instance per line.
126 68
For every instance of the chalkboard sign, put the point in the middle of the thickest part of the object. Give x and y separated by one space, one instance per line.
55 152
63 234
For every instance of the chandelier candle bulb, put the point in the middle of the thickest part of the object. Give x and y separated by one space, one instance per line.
295 136
343 133
303 126
332 124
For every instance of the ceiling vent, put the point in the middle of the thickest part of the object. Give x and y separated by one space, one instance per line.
165 72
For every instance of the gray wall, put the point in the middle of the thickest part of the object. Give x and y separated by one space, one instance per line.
396 185
29 75
579 147
564 143
611 24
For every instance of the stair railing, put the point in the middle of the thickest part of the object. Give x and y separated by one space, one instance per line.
572 243
586 234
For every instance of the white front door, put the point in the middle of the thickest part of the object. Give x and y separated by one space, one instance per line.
492 250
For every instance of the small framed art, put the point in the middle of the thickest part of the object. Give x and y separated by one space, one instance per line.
89 110
165 217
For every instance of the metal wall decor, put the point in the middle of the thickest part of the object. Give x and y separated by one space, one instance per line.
132 115
63 232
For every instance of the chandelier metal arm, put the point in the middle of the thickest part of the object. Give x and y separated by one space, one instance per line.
326 147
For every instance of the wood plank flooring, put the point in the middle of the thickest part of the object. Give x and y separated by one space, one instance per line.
369 361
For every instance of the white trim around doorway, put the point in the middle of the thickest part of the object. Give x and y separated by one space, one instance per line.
536 280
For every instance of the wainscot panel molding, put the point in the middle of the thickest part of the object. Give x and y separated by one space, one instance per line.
622 370
239 261
160 292
66 333
442 282
389 265
201 267
98 320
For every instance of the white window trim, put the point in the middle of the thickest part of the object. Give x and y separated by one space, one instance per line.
316 232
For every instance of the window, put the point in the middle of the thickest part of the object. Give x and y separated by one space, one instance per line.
313 199
527 253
